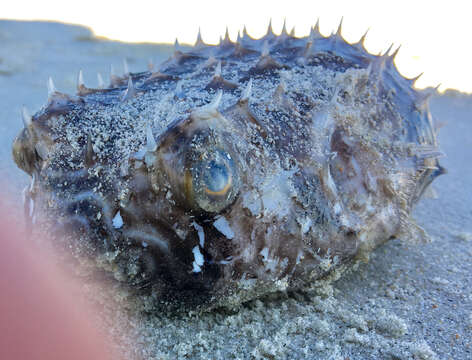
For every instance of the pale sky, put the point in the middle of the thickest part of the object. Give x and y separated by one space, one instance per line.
436 36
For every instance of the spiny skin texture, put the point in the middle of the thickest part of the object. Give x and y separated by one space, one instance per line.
233 170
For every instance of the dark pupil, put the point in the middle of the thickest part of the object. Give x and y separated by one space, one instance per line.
216 176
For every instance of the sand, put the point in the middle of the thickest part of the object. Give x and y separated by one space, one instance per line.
408 301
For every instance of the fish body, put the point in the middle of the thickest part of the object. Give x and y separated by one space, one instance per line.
233 170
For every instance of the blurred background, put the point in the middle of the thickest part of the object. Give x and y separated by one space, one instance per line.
435 35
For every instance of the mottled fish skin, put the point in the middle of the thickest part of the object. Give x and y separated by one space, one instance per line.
232 170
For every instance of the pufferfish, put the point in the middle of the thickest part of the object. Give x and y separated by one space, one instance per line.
231 170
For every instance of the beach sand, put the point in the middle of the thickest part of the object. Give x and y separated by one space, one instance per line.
409 301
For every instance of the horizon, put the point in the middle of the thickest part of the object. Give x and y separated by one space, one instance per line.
430 44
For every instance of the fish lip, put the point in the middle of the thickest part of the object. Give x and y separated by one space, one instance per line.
173 259
147 237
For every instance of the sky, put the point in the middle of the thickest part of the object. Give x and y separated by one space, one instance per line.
435 36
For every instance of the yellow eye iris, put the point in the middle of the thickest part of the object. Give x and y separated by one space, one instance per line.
217 179
212 182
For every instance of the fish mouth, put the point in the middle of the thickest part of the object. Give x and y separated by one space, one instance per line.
148 253
163 261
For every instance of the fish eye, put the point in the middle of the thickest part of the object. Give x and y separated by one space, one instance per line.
214 182
217 179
